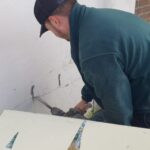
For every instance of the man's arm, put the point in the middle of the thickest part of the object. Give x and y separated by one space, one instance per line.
111 85
87 96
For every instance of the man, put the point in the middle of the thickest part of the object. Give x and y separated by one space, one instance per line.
111 49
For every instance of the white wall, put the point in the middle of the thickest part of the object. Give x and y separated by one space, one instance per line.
127 5
27 60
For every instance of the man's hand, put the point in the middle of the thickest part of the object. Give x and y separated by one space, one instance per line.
82 106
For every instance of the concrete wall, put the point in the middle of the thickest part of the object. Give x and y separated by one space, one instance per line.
27 60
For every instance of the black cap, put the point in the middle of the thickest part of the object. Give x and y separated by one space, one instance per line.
43 9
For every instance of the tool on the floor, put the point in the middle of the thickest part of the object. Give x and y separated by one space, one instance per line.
56 111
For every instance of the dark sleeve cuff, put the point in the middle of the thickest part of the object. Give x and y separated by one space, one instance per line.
87 93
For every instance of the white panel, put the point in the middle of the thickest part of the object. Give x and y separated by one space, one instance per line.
44 132
37 132
114 137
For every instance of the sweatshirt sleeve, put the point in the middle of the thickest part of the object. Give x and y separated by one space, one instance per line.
87 93
105 74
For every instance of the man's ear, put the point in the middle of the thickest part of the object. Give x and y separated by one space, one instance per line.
55 21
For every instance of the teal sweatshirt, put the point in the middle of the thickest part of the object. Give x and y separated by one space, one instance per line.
111 49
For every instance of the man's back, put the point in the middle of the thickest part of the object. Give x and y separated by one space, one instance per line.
114 31
114 57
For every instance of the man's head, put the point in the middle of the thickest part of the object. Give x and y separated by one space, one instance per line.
53 15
